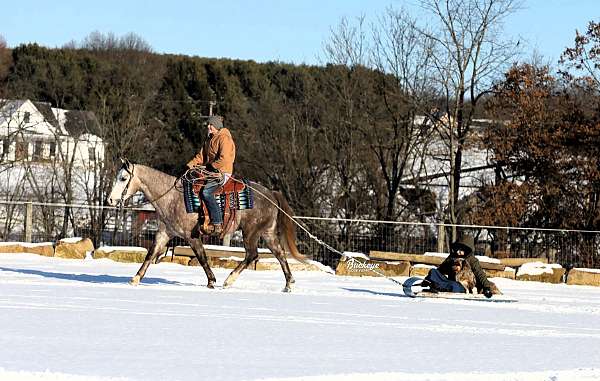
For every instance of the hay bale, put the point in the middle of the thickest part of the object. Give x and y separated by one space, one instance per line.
508 273
226 263
44 248
126 254
420 270
541 272
584 277
73 248
179 259
11 247
516 262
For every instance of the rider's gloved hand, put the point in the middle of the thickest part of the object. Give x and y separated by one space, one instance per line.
209 167
487 292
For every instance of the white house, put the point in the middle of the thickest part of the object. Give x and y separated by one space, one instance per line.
49 154
35 132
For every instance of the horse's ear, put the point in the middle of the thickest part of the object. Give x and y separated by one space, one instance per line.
125 162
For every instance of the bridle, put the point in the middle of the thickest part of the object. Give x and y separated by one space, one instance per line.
124 199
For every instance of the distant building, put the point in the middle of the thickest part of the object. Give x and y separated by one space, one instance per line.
38 133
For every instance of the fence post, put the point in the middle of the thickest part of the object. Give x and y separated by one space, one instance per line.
28 220
227 240
441 238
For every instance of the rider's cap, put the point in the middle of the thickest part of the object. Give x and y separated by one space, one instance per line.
216 121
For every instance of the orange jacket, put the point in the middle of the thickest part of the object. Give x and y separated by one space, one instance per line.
218 151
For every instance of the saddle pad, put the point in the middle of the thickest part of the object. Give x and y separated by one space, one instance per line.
240 199
190 198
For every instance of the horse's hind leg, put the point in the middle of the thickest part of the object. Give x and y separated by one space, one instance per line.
251 246
201 255
159 245
275 246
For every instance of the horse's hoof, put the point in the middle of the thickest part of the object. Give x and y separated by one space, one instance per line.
229 281
287 289
135 281
211 285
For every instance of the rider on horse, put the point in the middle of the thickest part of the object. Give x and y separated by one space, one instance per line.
217 155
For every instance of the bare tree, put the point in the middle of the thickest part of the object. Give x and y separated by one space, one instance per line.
402 135
12 177
584 56
109 42
469 55
386 88
347 85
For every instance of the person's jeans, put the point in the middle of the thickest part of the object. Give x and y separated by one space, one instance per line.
211 204
441 283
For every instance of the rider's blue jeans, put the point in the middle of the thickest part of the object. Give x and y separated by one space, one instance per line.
211 204
442 283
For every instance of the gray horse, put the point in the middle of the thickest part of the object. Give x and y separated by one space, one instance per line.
263 220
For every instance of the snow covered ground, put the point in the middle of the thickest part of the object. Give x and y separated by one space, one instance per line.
80 320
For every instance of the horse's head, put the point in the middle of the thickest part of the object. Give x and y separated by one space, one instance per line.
126 184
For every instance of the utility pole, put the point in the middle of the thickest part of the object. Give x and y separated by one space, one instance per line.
210 107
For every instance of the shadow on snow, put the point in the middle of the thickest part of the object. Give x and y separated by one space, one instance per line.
379 293
93 278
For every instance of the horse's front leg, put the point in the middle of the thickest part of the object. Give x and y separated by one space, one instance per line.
159 245
198 249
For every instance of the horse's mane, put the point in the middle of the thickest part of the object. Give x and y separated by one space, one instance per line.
154 172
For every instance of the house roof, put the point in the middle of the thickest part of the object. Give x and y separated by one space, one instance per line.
74 123
78 123
46 110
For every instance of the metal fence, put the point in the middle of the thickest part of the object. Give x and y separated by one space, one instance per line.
570 248
41 222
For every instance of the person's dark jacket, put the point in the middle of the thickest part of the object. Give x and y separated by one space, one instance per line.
467 245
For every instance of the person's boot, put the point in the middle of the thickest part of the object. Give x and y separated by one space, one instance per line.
214 229
432 288
217 229
428 286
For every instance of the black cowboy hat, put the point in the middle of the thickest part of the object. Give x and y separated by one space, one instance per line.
466 243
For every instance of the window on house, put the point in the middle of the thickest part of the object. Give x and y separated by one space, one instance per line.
38 151
26 117
92 153
21 150
5 147
52 149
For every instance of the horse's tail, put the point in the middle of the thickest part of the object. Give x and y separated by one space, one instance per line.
287 231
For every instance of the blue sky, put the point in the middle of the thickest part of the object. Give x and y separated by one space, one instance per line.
263 30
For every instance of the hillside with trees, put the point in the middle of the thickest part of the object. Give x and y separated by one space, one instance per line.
340 140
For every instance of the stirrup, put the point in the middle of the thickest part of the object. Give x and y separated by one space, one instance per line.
217 229
212 229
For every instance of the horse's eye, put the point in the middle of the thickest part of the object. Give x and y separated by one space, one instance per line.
123 179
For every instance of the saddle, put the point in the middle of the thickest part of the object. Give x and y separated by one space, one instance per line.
234 195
